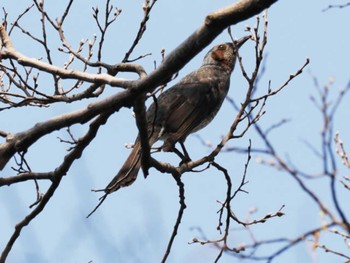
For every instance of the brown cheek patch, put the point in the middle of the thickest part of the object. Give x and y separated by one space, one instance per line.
218 55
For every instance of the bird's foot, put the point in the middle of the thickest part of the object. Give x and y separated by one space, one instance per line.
185 159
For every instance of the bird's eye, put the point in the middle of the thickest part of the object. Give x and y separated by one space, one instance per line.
221 47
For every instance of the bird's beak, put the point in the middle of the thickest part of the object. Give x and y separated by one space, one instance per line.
238 43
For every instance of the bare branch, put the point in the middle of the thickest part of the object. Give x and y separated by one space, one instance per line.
328 250
182 208
147 8
341 150
56 177
336 6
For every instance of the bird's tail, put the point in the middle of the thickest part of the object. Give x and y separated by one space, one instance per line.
128 172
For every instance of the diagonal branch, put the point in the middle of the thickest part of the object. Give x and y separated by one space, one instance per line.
56 177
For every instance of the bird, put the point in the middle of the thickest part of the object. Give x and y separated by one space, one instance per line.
185 108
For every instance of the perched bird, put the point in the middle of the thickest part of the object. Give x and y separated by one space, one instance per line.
185 108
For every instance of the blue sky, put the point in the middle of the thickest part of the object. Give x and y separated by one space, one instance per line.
134 224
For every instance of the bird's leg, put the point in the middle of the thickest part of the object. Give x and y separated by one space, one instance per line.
183 156
186 157
178 153
169 146
156 149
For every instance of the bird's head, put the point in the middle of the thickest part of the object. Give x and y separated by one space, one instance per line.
224 54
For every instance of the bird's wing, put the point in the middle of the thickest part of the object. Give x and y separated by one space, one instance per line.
188 108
